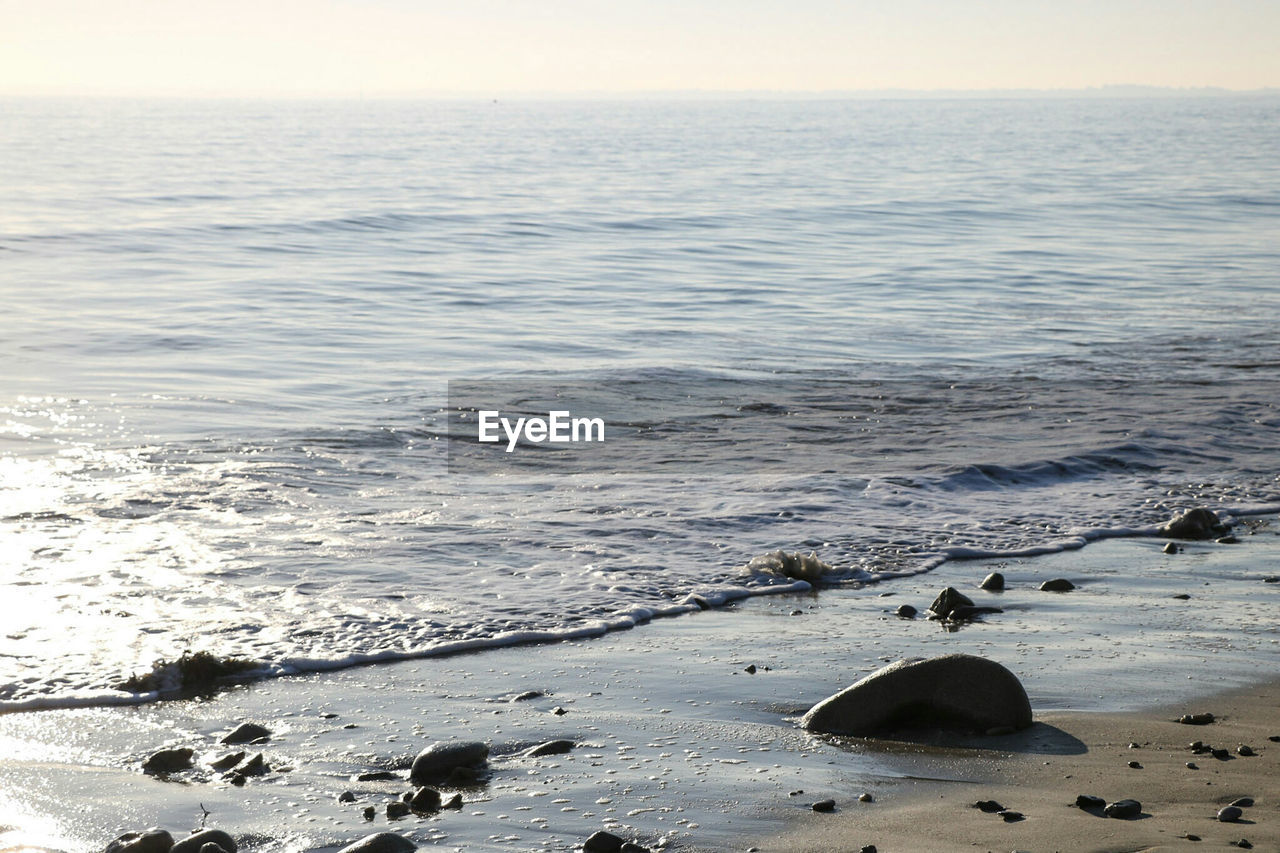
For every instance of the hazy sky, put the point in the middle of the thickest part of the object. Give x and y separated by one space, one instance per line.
387 47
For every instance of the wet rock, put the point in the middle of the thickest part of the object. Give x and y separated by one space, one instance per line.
527 695
347 797
1220 754
1170 548
1123 809
370 812
211 848
551 747
602 842
247 733
824 806
948 600
965 612
168 761
1191 765
425 800
235 777
376 776
868 848
1274 738
993 582
806 568
1227 540
1182 596
1242 802
632 847
226 762
196 842
1088 801
906 611
463 777
1246 751
1271 579
1197 746
954 690
558 711
454 802
256 766
1133 765
1230 814
988 806
1196 523
866 798
154 840
1010 816
750 669
381 842
1243 844
439 760
1203 719
397 809
1057 585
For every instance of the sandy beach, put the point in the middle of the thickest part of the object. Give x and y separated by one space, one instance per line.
684 731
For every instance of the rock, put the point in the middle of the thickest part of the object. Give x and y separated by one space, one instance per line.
868 848
824 806
347 797
1196 719
1271 579
602 842
195 843
866 798
1057 585
1123 809
1243 844
993 582
1220 754
462 777
425 800
168 761
226 762
558 711
1170 548
970 691
247 733
1010 816
1246 751
235 777
210 847
381 842
376 776
1242 802
454 802
750 669
154 840
551 747
965 612
439 760
397 809
906 611
1133 765
1227 540
527 695
1088 801
1230 814
1191 765
988 806
256 766
806 568
370 812
949 599
1182 596
632 847
1196 523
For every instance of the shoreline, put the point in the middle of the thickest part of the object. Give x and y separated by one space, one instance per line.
684 733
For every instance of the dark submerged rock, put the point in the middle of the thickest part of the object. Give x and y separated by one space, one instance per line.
993 582
381 842
527 695
376 776
965 612
750 669
425 800
154 840
948 600
1198 523
551 747
168 761
953 690
247 733
195 843
1057 585
439 760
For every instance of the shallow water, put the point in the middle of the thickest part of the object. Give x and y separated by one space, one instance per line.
908 330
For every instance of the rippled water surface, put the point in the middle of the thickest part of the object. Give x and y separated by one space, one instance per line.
909 330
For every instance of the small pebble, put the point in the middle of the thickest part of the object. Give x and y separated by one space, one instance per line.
1245 750
1203 719
1243 844
347 797
397 809
1242 802
1123 809
369 813
866 798
1230 814
906 611
1011 816
1135 765
1191 837
1088 801
558 711
1191 765
1133 745
1221 754
988 806
1182 596
1057 585
824 806
1171 548
868 848
751 669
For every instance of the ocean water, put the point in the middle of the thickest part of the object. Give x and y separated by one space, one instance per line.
890 332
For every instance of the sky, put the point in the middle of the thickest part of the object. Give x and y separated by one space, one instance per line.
274 48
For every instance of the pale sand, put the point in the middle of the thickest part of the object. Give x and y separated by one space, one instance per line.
1178 802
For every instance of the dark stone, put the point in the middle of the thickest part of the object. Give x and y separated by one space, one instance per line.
256 766
751 669
1196 746
154 840
1274 738
1182 596
953 690
1246 751
632 847
247 733
602 842
527 695
195 843
439 760
866 798
1230 814
948 600
425 800
1242 802
1271 579
993 582
226 762
558 711
1196 523
235 777
1123 809
210 847
1057 585
462 777
454 802
1227 540
1191 765
1243 844
906 611
370 812
551 747
1220 754
376 776
1170 548
1011 816
1133 765
964 612
397 809
824 806
347 797
868 848
168 761
381 842
1088 801
1196 719
988 806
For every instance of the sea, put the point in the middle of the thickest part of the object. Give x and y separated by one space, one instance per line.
242 344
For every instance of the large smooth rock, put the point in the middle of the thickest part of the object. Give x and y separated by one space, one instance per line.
1198 523
438 761
954 690
193 843
154 840
381 842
